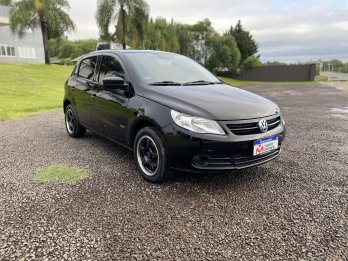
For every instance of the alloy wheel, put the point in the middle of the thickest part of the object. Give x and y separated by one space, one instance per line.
70 121
147 155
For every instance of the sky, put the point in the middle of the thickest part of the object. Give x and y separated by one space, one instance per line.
286 30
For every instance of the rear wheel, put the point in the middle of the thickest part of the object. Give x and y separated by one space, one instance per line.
150 155
73 127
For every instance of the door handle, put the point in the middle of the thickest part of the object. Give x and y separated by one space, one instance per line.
90 83
94 96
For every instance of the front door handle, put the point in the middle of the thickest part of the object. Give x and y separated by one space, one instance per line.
94 96
90 83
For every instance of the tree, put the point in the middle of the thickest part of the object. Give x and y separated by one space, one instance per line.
251 62
161 35
138 25
6 2
245 41
154 40
274 63
202 31
336 65
66 49
49 15
223 54
185 40
129 17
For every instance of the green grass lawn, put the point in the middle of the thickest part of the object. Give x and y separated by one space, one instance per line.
60 173
27 89
321 78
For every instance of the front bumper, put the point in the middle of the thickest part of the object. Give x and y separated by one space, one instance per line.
210 153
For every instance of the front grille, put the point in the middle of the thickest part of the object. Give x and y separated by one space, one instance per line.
235 162
246 161
250 128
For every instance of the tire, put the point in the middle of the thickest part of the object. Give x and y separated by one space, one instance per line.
150 156
72 125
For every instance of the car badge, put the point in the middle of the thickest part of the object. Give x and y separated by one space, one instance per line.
263 125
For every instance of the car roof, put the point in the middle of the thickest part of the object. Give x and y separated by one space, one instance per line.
130 51
120 51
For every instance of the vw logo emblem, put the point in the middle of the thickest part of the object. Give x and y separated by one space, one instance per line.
263 125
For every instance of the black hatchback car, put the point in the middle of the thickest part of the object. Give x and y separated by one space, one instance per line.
171 112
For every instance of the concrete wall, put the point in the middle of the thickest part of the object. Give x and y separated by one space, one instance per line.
28 49
281 73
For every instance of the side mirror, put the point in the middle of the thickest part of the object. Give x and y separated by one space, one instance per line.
114 83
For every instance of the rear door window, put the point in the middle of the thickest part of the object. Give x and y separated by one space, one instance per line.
87 67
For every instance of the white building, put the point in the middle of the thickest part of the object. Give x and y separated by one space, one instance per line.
28 49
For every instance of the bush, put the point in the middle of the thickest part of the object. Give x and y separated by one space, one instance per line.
251 62
67 49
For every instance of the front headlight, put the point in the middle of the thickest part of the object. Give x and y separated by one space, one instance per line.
195 124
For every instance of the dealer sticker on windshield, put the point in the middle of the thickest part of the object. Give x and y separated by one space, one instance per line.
265 145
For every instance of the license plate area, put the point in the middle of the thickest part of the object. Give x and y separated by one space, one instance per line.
266 145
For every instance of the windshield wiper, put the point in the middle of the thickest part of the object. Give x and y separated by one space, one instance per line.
171 83
201 82
163 83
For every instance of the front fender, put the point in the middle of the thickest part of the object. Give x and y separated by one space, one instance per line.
147 113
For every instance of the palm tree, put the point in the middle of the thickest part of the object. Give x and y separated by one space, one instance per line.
49 15
128 16
5 2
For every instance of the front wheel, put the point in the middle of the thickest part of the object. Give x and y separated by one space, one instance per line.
150 155
73 127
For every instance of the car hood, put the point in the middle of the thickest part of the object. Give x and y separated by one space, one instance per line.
217 102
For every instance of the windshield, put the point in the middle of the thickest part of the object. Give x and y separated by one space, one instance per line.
166 68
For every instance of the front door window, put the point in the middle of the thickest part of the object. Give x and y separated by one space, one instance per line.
110 67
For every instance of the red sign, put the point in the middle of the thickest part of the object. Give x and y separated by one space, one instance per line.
260 149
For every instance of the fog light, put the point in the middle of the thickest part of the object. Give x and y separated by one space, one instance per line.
200 161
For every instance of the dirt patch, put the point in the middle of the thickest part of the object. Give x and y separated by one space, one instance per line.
338 85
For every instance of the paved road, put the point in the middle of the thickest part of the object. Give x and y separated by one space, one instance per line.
292 208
